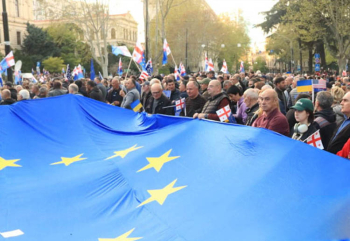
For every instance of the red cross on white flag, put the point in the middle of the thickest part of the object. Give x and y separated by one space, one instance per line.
224 114
180 104
315 140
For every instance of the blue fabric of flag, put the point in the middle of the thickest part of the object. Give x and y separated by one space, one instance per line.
92 70
165 57
100 76
149 68
91 176
1 82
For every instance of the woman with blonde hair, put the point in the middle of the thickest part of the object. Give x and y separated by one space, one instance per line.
337 94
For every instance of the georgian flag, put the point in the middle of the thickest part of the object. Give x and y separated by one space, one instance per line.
7 62
176 73
315 140
180 104
224 67
137 55
210 65
166 52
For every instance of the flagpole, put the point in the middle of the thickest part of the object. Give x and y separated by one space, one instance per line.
137 66
126 76
173 57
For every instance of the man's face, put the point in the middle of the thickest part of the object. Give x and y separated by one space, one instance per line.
192 90
128 84
251 84
115 84
267 101
246 100
282 85
182 87
213 89
204 86
171 86
345 104
156 92
145 88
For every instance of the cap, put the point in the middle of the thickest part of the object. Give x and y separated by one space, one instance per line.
145 83
303 104
205 81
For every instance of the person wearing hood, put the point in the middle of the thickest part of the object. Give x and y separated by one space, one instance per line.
325 118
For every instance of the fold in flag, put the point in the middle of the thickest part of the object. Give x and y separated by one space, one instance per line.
120 67
241 69
7 62
134 176
138 53
166 52
1 82
122 50
136 105
225 115
210 65
224 67
315 140
304 85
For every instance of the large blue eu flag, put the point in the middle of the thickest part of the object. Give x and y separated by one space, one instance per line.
75 169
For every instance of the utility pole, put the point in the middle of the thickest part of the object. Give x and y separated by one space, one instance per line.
6 38
147 31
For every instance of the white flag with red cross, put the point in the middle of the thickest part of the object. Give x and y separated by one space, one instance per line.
315 140
180 104
224 114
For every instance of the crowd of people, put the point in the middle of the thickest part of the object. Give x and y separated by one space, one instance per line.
268 101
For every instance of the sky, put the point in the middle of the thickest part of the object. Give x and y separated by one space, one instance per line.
250 9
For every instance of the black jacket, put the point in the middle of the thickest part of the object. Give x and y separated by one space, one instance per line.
325 120
7 102
13 93
311 130
251 117
96 94
336 144
163 101
175 95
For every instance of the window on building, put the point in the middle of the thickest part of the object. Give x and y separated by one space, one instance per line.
113 33
17 8
19 40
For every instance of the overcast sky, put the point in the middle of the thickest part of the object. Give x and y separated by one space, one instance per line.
250 8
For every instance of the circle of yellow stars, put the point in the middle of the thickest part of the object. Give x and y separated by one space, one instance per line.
158 195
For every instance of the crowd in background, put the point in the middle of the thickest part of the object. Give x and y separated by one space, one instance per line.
269 101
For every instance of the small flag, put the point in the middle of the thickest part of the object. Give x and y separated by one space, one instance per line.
224 67
304 85
143 62
63 71
206 63
122 50
138 53
136 105
319 85
210 65
182 69
241 69
315 140
149 67
225 115
100 75
120 67
180 104
166 52
80 72
17 77
167 93
92 70
7 62
176 73
144 75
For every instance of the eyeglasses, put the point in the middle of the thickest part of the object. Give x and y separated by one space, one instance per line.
155 93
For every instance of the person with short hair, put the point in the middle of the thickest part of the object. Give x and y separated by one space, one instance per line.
132 94
235 95
227 84
23 95
217 101
175 93
204 88
146 93
182 89
280 87
93 91
325 118
74 89
43 93
113 96
8 85
194 101
57 89
251 97
271 118
102 87
159 103
6 97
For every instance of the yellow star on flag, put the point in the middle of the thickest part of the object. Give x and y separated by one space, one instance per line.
160 195
125 152
123 237
8 163
158 162
69 160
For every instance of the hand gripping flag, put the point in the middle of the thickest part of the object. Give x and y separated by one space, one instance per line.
210 65
176 73
166 52
139 178
122 50
7 62
241 69
92 70
224 67
136 105
225 115
120 67
315 140
149 67
138 53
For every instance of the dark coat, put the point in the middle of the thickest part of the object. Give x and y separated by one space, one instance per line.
163 102
175 95
7 102
251 117
96 94
325 120
13 93
311 130
336 144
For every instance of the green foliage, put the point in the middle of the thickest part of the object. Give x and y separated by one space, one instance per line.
53 64
260 64
27 63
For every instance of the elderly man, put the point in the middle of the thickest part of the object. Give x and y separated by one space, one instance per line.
6 98
131 95
342 133
194 101
146 93
73 89
159 103
113 96
23 95
325 116
251 97
227 84
272 118
217 101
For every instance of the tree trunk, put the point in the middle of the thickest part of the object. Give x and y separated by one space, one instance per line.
300 56
320 49
311 57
